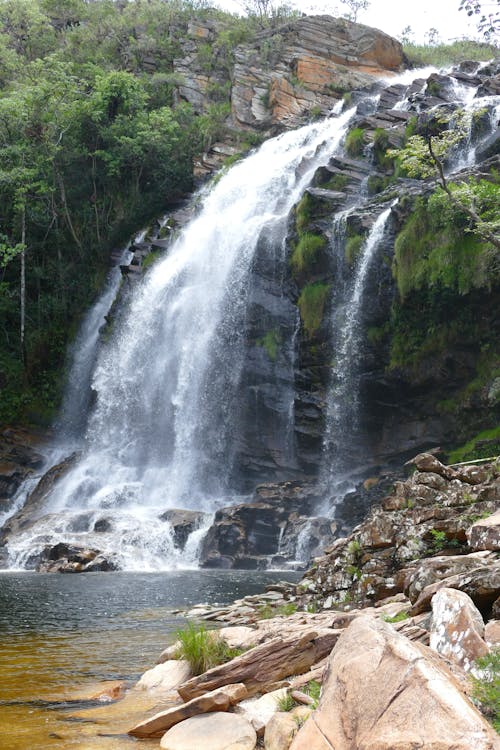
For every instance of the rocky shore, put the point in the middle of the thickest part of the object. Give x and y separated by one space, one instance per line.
389 621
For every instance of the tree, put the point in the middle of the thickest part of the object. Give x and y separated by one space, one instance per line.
407 35
424 155
355 7
487 13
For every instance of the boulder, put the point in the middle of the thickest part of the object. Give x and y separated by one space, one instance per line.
482 584
382 692
457 628
260 710
215 700
183 523
492 633
484 534
264 665
165 677
217 731
280 731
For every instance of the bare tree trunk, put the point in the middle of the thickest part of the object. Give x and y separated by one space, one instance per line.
23 285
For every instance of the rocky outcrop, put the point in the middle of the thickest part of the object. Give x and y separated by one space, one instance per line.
307 65
414 542
264 665
215 700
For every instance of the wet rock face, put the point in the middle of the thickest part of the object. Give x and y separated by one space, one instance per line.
276 527
20 456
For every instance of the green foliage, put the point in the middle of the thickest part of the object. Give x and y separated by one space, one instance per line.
434 249
353 247
306 252
355 142
271 343
267 611
337 182
313 689
91 146
400 617
441 55
285 702
311 305
354 571
303 213
482 445
203 648
486 689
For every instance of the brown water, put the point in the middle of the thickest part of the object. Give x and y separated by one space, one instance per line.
63 638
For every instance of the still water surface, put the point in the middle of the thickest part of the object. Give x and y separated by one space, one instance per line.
62 636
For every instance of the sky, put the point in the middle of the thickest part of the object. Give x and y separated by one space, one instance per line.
392 16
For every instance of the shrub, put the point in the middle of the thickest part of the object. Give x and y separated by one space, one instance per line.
202 648
285 702
486 689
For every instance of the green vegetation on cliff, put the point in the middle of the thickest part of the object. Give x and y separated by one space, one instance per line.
311 304
93 144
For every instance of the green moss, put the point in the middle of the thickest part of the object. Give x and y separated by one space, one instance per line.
380 146
311 306
271 343
483 445
303 213
337 182
400 617
353 247
306 252
355 142
150 259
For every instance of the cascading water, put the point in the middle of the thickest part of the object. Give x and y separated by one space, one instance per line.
342 414
160 434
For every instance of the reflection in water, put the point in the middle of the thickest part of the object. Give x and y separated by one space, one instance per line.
61 637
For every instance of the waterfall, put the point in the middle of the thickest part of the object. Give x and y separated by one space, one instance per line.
342 413
161 432
163 429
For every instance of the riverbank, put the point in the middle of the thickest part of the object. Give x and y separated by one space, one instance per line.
394 648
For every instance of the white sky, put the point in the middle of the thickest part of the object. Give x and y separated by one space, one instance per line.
392 16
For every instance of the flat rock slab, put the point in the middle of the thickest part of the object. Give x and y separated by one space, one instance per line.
217 731
383 692
216 700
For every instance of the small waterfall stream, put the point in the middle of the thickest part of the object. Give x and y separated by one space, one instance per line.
342 413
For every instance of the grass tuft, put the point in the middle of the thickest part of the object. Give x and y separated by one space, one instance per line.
202 648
